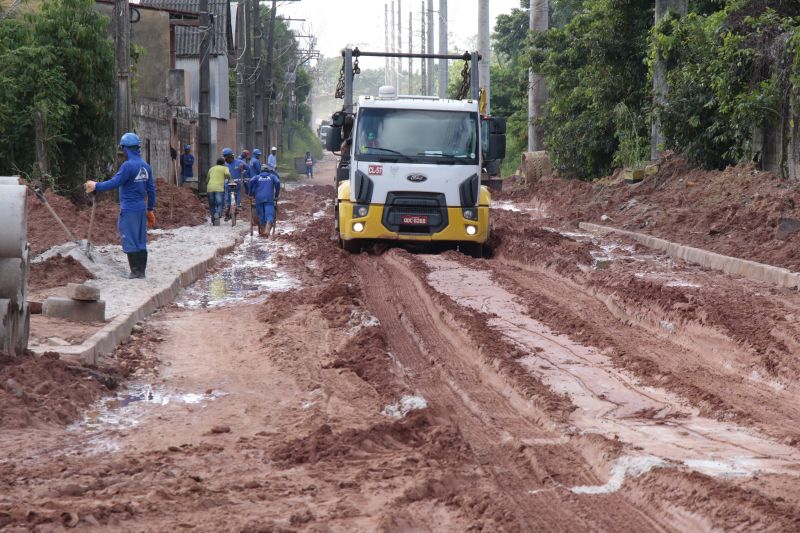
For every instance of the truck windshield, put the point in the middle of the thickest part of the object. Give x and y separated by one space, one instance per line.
417 135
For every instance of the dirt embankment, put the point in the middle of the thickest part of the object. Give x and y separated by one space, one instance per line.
738 211
175 207
56 272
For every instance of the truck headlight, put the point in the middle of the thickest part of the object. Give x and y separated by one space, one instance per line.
358 227
360 211
472 230
470 213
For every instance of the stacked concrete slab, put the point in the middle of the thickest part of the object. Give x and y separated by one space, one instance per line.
82 304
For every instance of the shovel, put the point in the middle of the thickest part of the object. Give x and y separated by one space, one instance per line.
86 245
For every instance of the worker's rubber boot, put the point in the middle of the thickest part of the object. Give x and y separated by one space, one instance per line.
143 263
132 264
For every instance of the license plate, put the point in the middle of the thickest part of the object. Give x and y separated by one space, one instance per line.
414 220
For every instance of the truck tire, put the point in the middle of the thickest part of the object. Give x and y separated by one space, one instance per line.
352 246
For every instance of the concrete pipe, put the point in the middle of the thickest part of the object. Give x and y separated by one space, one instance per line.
13 220
23 330
13 280
9 180
7 321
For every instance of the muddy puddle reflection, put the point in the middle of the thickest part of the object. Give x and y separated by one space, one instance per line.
250 272
128 407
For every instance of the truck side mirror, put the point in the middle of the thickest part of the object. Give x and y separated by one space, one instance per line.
333 141
497 146
497 126
337 119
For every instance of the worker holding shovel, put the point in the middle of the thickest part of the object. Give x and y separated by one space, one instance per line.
137 203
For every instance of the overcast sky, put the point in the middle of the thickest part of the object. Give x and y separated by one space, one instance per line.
337 24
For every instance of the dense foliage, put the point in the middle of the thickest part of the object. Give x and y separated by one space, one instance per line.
729 72
56 69
592 64
732 66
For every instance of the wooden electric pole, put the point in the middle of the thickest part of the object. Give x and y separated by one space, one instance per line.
410 51
260 79
269 82
204 112
443 48
484 49
537 89
249 79
122 68
660 87
429 42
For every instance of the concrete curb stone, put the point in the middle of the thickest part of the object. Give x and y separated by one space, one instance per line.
730 265
119 328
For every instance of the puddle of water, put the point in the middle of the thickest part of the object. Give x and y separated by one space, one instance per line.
126 408
623 467
250 271
610 401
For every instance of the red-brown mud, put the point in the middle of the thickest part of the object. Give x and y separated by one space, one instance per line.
295 422
739 211
175 207
57 271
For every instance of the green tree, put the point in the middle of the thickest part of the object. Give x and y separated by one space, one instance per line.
592 64
57 65
729 70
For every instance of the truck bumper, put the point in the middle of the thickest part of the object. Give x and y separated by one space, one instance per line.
372 226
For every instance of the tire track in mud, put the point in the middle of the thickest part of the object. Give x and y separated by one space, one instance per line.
475 284
519 450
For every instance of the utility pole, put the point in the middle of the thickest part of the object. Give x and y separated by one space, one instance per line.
399 43
410 51
122 64
269 85
249 77
423 63
204 112
393 73
660 87
484 49
429 43
241 46
443 48
537 90
386 76
258 36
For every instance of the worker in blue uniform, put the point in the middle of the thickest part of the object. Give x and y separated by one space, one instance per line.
239 176
137 202
255 164
266 189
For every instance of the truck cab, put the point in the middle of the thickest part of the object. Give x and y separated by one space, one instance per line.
411 171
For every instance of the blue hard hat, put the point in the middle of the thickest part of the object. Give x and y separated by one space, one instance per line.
256 152
187 147
226 152
130 140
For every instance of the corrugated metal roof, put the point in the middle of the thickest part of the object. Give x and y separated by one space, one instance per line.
187 38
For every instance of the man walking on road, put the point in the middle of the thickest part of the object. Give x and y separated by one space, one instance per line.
187 165
266 189
272 158
137 202
239 173
218 177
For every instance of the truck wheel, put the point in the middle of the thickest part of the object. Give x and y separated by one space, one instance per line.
472 249
353 246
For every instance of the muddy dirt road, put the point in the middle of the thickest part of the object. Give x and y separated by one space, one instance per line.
566 384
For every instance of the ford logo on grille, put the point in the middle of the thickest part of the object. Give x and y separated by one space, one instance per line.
416 178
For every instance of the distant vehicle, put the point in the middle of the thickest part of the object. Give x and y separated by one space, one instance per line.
323 133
